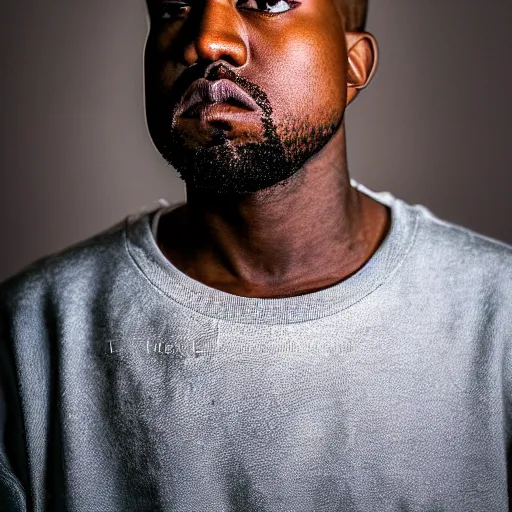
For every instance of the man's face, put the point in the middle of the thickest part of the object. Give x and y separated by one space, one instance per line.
239 94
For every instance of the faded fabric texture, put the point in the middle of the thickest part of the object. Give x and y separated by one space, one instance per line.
128 386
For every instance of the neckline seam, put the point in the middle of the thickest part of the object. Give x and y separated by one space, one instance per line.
186 306
276 314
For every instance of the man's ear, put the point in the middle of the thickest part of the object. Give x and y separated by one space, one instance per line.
363 55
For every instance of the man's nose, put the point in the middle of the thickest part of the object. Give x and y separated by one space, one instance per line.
220 34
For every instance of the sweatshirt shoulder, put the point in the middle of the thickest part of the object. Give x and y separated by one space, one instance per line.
94 256
442 246
472 256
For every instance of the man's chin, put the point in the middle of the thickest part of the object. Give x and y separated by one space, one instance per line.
204 133
227 168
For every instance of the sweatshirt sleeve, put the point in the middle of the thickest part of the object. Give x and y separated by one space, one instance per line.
12 493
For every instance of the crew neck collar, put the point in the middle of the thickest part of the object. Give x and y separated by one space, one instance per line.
139 231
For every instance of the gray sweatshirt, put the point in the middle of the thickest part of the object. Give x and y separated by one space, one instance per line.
128 386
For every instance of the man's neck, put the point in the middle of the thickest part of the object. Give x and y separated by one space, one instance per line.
298 237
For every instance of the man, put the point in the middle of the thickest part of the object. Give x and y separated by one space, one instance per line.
287 339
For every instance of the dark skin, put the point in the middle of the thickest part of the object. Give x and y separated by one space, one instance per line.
307 232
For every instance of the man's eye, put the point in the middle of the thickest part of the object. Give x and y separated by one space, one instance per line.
267 6
173 10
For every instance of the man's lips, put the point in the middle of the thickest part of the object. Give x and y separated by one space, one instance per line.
204 92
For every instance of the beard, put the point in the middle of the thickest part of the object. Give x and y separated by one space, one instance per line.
224 167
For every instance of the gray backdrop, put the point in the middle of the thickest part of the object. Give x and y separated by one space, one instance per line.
76 155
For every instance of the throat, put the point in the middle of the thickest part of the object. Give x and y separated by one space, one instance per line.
244 269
